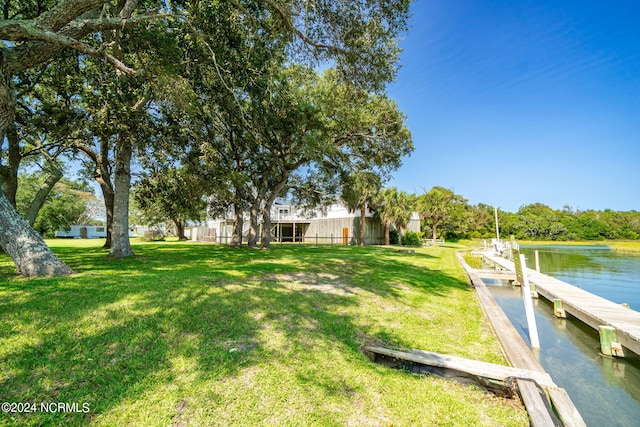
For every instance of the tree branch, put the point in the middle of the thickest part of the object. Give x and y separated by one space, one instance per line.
291 28
64 12
43 42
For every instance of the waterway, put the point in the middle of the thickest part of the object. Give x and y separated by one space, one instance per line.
606 391
596 269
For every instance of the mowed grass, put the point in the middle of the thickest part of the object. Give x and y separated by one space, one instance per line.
189 334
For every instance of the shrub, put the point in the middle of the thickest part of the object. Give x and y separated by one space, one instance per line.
393 236
152 235
411 238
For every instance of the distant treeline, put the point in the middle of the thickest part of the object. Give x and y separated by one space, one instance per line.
450 216
540 222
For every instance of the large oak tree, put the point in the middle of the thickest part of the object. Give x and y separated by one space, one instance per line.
360 35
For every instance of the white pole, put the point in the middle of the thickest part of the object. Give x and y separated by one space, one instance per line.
528 305
495 211
537 261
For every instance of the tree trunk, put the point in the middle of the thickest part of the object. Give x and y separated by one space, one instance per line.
266 218
238 225
25 246
22 243
120 245
9 172
41 196
252 239
180 228
103 177
266 211
266 227
104 180
387 237
433 233
109 201
363 211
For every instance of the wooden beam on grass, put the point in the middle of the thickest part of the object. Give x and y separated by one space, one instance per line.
528 382
473 367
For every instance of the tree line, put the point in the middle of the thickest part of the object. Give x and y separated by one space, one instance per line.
449 215
214 98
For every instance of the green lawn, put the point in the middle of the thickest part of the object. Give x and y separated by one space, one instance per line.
191 334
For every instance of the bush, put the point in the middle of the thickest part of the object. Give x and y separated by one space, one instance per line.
411 238
152 235
393 237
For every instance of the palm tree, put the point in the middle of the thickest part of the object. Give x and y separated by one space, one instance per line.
404 206
358 191
383 207
393 207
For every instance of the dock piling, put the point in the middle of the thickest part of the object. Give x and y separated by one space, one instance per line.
558 308
609 345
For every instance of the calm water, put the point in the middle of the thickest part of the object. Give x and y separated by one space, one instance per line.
596 269
606 391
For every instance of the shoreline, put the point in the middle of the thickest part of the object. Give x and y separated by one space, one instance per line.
628 246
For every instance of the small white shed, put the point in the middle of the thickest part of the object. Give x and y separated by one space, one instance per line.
83 232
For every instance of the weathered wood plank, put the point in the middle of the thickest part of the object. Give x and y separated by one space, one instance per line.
408 363
564 406
474 367
534 399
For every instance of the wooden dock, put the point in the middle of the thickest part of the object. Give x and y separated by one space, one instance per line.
520 356
591 309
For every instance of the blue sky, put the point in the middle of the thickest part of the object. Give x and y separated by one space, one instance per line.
517 102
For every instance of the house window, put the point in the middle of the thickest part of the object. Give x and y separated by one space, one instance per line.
284 211
99 229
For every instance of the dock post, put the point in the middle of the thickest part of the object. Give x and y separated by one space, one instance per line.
537 261
558 308
528 305
608 342
515 255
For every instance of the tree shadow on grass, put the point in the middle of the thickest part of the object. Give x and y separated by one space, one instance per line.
106 339
146 345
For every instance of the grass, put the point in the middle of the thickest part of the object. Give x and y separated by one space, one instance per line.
632 246
194 334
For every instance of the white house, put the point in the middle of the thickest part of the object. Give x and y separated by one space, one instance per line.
93 232
335 224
